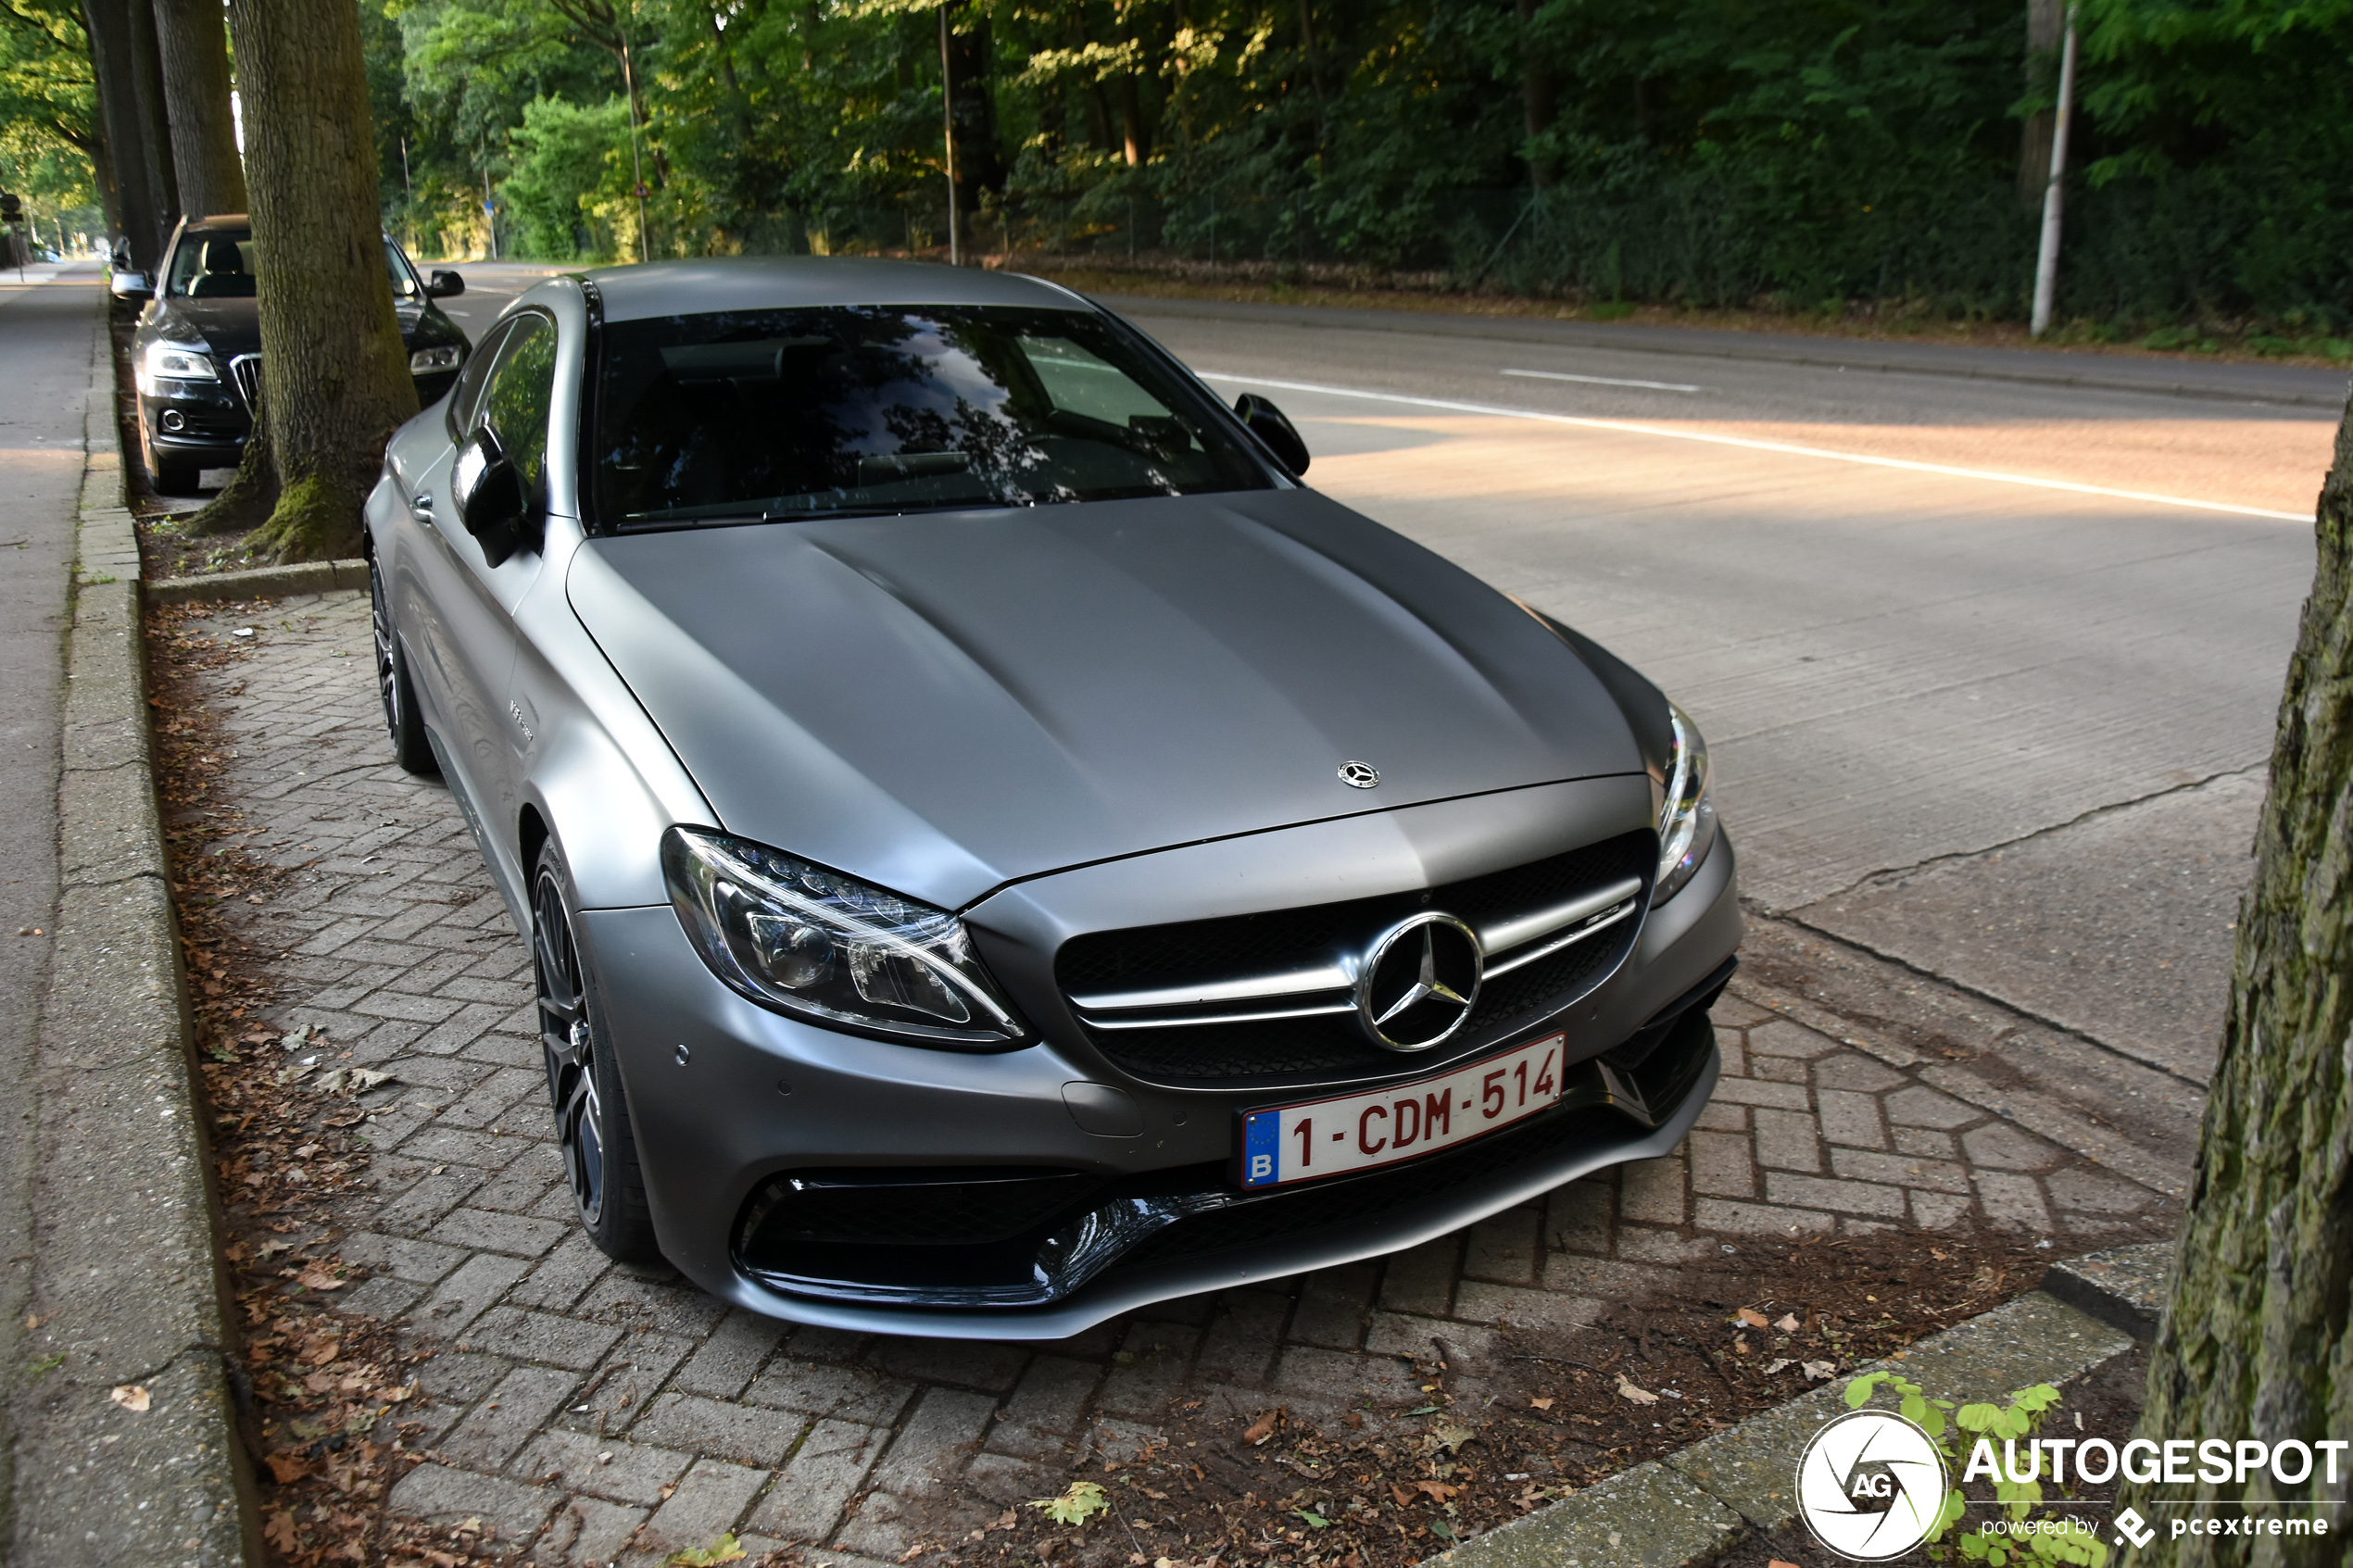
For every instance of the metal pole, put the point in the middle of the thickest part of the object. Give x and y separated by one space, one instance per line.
2047 261
948 109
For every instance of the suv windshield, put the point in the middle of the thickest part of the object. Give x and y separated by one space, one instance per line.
746 416
218 264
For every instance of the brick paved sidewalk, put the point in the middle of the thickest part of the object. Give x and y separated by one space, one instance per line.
618 1413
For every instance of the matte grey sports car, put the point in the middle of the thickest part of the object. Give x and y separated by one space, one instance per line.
998 849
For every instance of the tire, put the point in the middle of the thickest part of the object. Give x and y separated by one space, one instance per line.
409 746
583 1081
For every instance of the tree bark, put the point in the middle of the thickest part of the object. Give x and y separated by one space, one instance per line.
980 164
2255 1342
194 46
335 378
2045 26
155 119
143 212
1538 103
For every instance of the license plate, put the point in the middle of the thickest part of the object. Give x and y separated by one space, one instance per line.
1332 1137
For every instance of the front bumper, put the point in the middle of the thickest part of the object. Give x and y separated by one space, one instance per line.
725 1097
213 423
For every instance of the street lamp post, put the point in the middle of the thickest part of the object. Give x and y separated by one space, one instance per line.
2046 259
948 104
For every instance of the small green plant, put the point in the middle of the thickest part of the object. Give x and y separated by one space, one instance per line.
1953 1435
1083 1502
726 1548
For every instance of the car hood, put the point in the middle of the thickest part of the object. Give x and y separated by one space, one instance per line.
944 703
234 326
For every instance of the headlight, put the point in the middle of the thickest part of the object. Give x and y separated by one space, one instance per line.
175 361
1686 817
821 945
445 357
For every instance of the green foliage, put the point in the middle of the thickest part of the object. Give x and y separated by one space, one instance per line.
49 112
1956 1431
1717 152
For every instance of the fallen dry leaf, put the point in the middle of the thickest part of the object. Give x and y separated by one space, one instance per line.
1541 1404
280 1531
1753 1317
1263 1428
1640 1396
319 1351
1787 1323
1438 1490
132 1397
1776 1364
317 1278
1777 1562
289 1467
1817 1371
1401 1494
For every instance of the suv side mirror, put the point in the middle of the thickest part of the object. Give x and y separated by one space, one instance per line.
125 284
444 283
491 500
1266 422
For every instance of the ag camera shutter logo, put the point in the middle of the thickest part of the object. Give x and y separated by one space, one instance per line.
1870 1486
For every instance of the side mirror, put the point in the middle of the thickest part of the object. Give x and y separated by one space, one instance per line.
129 285
1266 422
490 495
444 283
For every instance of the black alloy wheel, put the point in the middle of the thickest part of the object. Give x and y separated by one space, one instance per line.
409 746
592 1122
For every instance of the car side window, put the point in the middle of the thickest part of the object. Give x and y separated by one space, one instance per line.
469 379
520 389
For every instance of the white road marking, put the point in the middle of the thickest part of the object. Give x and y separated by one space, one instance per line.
1751 444
1604 381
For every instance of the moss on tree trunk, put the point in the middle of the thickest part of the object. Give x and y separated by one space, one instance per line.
333 374
2255 1342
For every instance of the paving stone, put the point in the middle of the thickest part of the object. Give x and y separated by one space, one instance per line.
1242 1339
539 1337
605 1467
1505 1247
1721 1166
724 1364
1861 1165
1045 1408
741 1433
815 1388
1517 1307
1721 1115
382 1297
590 1533
1851 1197
1850 1119
1148 1370
942 1433
2000 1147
1577 1217
468 1293
619 1390
1854 1074
709 1501
1757 1218
824 1472
1926 1142
1421 1279
1651 1191
446 1495
1643 1244
1779 1070
2013 1201
957 1362
1758 1091
1783 1038
1936 1211
1334 1306
483 1231
2097 1192
1922 1107
1787 1140
673 1308
496 1429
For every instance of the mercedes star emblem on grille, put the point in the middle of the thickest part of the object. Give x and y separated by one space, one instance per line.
1359 775
1418 982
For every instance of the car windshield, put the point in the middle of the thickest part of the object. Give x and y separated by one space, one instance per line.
219 264
768 415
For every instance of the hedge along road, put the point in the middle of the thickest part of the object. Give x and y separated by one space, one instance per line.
1970 713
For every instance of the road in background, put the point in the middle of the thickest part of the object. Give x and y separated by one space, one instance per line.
2009 735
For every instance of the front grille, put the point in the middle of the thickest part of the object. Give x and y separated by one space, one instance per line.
1268 1052
245 370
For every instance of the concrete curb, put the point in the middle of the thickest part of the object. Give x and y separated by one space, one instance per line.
127 1283
1697 1503
260 583
2125 1287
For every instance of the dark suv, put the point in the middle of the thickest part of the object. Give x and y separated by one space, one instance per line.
197 354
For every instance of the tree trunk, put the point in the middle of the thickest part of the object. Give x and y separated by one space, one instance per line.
334 379
2045 26
155 119
1538 103
2256 1341
143 211
980 166
196 90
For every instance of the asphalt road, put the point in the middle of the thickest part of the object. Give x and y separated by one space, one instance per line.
1987 644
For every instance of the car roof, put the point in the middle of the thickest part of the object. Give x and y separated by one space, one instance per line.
774 283
219 221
